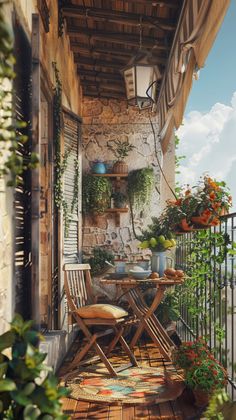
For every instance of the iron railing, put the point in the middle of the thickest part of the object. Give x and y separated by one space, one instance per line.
217 297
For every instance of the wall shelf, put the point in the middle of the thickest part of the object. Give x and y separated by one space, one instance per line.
117 213
112 175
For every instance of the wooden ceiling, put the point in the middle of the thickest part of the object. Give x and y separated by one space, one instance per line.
105 34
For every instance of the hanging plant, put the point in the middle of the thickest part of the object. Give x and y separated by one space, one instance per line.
61 161
140 187
11 138
96 194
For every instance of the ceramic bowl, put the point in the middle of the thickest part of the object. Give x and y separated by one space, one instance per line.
141 275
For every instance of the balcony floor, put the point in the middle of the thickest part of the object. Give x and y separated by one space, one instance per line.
147 354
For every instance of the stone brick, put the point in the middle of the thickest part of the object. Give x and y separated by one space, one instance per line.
101 238
89 240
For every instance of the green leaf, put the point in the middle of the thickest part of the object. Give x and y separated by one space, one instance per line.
31 412
20 398
7 385
6 340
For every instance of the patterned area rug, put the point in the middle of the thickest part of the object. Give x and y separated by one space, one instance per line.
136 385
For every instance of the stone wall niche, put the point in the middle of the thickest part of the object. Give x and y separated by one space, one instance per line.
106 120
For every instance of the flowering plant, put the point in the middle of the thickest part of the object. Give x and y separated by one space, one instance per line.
189 352
207 375
201 205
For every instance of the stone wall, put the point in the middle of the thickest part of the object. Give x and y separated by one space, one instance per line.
106 120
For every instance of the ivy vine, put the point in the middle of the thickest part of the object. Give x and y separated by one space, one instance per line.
202 290
12 163
61 161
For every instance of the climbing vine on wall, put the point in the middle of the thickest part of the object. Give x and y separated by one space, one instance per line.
61 161
12 163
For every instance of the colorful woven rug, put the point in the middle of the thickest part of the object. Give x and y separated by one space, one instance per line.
136 385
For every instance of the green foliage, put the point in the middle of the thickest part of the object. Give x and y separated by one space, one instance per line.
207 251
140 187
207 375
214 409
177 164
190 352
26 391
120 199
120 149
11 137
168 309
157 236
98 260
61 161
96 193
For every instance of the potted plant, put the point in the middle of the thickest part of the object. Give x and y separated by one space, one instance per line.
199 207
189 352
27 390
203 373
96 193
120 199
121 150
204 378
211 199
140 187
97 260
158 238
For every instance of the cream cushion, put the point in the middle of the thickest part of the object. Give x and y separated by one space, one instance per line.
101 310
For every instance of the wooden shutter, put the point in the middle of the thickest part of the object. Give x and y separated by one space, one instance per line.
72 141
22 194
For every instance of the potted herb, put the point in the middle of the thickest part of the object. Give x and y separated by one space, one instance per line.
140 187
120 199
96 192
26 390
121 150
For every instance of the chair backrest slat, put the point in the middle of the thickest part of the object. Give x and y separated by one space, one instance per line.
78 285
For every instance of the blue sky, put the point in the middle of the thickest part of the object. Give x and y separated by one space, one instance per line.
217 80
208 134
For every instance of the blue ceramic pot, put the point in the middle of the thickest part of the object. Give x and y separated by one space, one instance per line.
99 168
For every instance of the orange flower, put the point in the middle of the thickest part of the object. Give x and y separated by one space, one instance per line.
212 195
187 192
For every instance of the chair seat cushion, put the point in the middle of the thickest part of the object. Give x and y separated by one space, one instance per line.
102 310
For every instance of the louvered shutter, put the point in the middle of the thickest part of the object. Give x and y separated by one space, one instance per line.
72 141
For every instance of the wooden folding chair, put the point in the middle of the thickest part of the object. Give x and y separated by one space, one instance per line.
87 314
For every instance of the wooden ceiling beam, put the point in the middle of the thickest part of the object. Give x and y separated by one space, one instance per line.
131 19
121 54
114 64
104 95
93 73
117 38
97 62
77 47
102 87
173 4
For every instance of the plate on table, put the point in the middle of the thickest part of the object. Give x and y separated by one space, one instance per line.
117 276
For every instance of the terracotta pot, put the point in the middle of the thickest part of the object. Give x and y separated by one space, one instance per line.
201 398
120 167
185 226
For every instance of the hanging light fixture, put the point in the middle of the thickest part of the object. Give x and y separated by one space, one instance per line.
141 75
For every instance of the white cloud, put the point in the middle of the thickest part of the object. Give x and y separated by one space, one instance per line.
209 143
